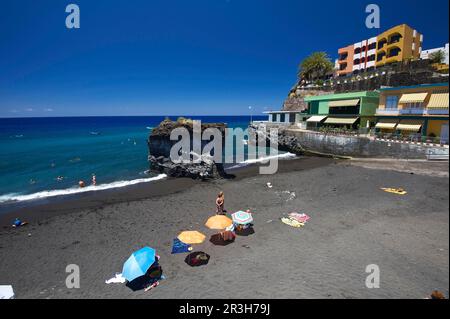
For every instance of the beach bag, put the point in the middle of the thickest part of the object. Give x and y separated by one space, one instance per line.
155 272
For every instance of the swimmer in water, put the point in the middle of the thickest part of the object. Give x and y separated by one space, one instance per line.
32 182
94 180
60 178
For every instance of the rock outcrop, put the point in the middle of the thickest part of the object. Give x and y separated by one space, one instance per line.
198 166
296 99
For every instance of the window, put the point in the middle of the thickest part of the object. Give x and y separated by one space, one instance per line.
415 105
282 117
274 117
391 102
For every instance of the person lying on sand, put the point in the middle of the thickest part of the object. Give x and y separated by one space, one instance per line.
18 223
220 203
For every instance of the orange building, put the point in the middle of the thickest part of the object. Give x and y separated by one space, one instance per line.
345 60
394 45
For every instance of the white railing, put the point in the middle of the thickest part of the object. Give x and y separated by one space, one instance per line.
388 111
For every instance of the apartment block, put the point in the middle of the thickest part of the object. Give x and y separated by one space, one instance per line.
394 45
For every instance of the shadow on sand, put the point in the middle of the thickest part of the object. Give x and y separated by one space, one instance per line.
217 240
245 232
140 283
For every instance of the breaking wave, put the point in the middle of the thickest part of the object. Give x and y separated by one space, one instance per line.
15 197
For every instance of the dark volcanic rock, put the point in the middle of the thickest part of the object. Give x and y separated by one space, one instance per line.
160 145
205 169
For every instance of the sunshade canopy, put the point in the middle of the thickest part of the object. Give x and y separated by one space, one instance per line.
341 120
191 237
413 98
316 119
6 292
387 124
353 102
410 125
438 101
138 263
242 218
218 222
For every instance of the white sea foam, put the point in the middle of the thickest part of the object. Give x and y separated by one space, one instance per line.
264 159
14 197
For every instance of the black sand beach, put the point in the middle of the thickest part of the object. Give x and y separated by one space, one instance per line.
353 224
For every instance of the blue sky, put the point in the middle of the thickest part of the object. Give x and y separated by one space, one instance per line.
161 57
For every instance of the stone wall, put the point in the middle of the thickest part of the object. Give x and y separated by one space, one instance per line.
304 142
362 146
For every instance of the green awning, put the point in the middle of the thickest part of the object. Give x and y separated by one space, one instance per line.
340 103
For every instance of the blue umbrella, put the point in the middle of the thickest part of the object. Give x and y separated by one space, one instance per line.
138 263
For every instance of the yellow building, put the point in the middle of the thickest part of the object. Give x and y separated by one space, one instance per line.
398 44
394 45
420 110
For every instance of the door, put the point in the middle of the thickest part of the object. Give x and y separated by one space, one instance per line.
444 133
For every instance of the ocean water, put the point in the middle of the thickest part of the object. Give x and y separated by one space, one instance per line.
35 151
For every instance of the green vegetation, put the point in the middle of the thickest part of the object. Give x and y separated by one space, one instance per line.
315 67
437 57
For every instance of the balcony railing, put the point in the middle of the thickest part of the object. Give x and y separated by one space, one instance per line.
437 111
388 111
415 111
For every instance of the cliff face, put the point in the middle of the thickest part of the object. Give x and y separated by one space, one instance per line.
296 99
160 145
399 74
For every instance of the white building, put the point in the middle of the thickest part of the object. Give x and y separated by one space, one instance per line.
426 53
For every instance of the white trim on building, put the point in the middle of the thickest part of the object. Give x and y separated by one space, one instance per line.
425 54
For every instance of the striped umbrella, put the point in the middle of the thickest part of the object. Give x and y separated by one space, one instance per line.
242 218
138 263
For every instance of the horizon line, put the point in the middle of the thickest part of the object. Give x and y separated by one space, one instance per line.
78 116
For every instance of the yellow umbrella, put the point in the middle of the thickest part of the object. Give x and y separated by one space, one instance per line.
218 222
191 237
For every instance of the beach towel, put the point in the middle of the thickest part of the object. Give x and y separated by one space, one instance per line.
398 191
180 247
301 218
154 284
292 222
6 292
117 279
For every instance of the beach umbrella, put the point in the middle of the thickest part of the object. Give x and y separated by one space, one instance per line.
218 222
138 263
242 218
191 237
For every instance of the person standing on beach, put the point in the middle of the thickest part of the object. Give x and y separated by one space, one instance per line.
94 180
220 203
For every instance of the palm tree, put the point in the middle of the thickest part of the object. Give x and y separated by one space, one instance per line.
315 66
437 57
